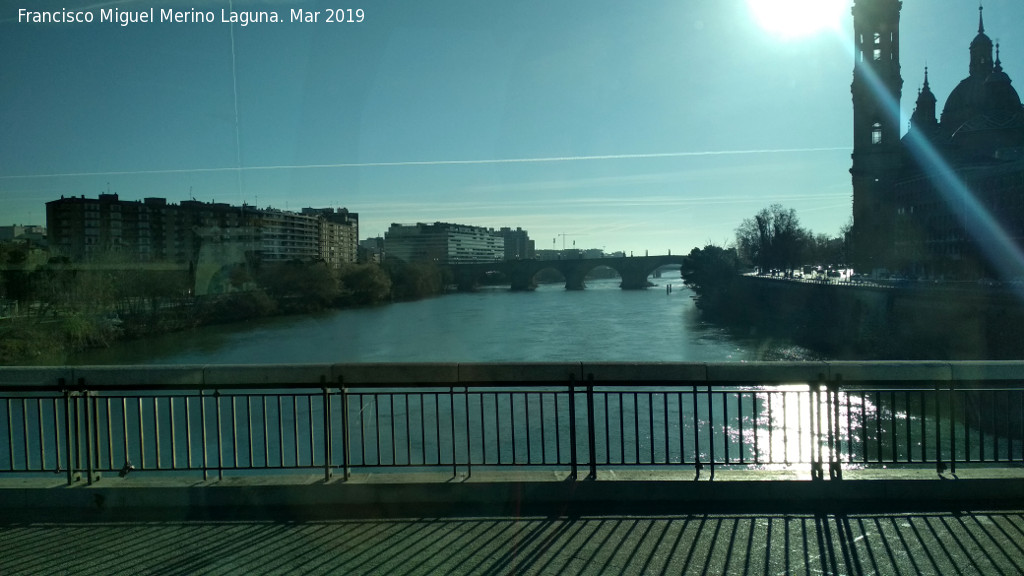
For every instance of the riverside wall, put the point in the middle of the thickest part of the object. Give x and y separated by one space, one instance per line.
911 321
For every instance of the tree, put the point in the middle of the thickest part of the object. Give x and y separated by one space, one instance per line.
711 273
364 284
300 285
772 239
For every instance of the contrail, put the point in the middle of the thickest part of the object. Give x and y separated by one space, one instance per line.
437 162
234 91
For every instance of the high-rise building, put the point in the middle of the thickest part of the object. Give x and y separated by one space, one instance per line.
338 235
518 245
154 230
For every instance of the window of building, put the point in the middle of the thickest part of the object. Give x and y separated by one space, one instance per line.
876 133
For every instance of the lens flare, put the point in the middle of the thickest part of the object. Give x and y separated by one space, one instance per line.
797 18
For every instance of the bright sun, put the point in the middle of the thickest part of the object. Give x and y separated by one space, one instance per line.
795 18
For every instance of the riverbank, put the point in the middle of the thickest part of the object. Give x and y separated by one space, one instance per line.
911 322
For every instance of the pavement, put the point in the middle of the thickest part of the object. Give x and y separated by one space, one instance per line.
534 523
962 543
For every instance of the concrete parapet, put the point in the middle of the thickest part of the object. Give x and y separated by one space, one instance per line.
992 370
890 371
775 372
33 377
646 372
525 373
537 493
418 373
311 375
140 376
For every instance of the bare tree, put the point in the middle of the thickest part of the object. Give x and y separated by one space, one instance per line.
771 239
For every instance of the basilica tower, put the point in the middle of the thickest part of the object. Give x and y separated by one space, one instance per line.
877 87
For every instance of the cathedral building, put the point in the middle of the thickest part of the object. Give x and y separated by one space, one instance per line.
947 199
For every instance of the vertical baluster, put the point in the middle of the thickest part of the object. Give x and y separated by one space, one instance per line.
42 438
25 434
469 436
558 428
497 426
220 435
248 426
711 430
156 428
346 458
924 433
67 433
512 423
543 436
725 424
664 422
408 427
188 432
451 408
328 448
89 407
202 433
591 432
739 418
573 460
174 450
56 434
696 431
312 434
682 429
110 438
785 428
295 430
529 446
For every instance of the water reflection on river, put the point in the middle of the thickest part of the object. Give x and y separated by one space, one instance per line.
601 323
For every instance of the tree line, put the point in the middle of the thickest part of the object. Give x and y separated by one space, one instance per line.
773 239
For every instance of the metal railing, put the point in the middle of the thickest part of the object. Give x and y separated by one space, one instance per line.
210 420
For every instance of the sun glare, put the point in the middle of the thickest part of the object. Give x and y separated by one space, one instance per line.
797 18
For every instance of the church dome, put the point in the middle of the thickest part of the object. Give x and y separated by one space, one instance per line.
966 101
1000 96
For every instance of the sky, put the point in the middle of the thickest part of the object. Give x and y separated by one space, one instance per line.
642 126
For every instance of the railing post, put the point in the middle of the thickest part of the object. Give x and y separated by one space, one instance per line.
952 427
327 428
220 439
202 434
345 440
455 459
573 473
591 431
67 433
88 431
817 469
940 465
835 463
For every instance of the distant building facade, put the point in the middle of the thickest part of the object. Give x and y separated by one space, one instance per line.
153 230
338 235
371 250
910 213
443 243
518 245
33 234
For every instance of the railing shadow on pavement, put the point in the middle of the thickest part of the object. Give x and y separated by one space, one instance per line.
934 543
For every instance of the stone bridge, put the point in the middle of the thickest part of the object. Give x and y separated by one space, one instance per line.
633 270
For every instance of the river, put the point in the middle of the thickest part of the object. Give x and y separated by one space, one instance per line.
550 324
